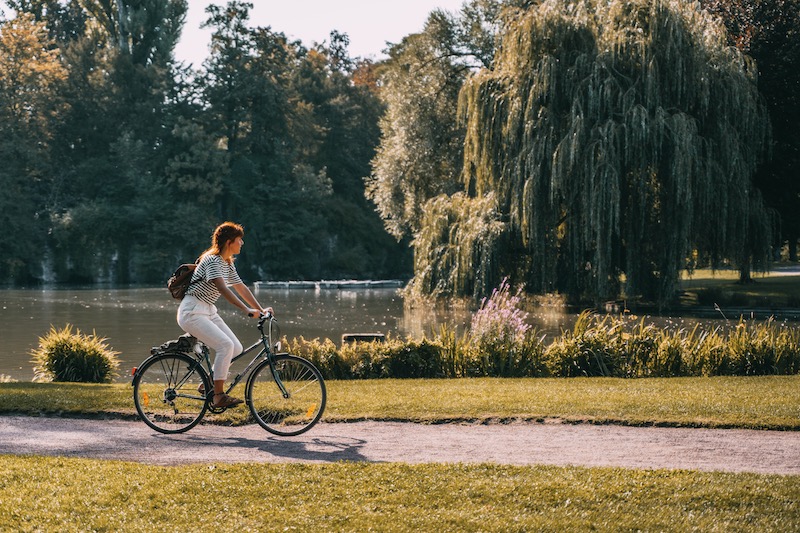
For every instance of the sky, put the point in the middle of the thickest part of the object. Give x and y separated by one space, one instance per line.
368 23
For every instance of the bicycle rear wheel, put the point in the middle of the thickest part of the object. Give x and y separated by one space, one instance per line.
166 395
299 409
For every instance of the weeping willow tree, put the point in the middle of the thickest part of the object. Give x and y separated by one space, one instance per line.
455 254
613 138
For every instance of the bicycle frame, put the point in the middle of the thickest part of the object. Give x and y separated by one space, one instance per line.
266 352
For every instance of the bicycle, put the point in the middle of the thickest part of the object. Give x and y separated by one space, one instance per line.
173 388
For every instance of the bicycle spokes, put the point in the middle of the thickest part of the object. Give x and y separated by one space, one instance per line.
166 392
289 398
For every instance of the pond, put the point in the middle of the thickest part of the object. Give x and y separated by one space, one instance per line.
135 319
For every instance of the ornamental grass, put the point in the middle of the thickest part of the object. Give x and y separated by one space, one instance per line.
597 345
74 357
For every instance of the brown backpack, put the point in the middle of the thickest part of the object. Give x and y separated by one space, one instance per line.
179 282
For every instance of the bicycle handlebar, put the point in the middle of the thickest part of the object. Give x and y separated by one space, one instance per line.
262 316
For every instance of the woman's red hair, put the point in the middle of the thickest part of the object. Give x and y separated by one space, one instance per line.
225 232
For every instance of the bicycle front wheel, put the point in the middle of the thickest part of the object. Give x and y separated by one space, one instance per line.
297 410
167 392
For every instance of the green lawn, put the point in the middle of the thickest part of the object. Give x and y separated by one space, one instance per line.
771 290
58 494
54 494
764 402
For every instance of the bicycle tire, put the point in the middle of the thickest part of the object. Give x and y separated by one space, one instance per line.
166 395
292 415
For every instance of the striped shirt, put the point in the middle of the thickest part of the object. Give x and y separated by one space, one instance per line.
212 267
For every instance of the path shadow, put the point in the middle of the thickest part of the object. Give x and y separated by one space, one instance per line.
324 449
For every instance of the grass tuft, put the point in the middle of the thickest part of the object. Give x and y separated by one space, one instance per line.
74 357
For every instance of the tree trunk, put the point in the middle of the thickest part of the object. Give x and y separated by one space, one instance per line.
745 273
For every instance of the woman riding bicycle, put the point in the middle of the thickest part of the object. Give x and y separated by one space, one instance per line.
216 275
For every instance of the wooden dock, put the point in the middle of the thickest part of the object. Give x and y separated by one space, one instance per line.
331 284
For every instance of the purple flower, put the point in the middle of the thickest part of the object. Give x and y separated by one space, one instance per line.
500 317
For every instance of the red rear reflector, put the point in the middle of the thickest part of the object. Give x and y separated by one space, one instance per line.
133 371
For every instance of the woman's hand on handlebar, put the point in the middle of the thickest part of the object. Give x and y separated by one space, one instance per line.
255 313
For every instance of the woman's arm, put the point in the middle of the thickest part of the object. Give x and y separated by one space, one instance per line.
248 296
232 298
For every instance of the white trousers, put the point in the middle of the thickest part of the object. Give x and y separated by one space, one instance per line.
202 320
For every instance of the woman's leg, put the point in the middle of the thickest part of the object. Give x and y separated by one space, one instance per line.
202 321
202 327
223 363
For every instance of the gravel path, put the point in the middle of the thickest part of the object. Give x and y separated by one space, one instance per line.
728 450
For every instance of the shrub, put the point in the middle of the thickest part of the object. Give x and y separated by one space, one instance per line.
454 352
361 360
636 348
505 357
590 349
787 351
668 360
765 348
572 356
707 354
66 356
365 360
415 359
324 354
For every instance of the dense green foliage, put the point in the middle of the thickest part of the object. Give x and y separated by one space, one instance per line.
119 161
769 32
589 148
604 146
421 146
613 138
74 357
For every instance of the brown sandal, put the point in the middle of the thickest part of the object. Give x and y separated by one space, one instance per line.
223 400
